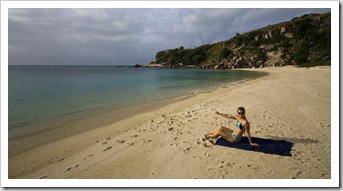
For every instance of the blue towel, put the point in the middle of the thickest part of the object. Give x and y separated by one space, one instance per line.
269 146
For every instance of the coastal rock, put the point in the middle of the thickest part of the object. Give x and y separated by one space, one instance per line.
229 65
155 65
269 34
289 35
216 67
137 66
258 64
252 64
282 30
274 57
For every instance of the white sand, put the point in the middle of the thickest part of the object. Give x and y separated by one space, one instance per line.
290 104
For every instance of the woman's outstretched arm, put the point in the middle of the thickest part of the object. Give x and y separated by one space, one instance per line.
226 115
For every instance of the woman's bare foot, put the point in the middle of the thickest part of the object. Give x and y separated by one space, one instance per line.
207 136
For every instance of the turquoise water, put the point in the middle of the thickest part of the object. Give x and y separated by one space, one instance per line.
40 94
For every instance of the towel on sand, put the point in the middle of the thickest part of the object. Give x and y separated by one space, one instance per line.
269 146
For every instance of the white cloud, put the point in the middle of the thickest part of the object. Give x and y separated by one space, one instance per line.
125 36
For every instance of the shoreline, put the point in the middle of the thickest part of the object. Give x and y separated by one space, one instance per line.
166 142
33 136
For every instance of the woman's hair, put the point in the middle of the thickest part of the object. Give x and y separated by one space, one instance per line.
241 109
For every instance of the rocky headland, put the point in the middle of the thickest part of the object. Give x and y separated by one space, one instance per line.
303 41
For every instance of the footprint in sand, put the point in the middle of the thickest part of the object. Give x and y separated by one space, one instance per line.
298 173
104 141
254 167
120 141
72 167
87 156
61 159
147 141
228 164
207 144
197 157
108 148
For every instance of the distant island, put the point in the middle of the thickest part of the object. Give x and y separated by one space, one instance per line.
303 41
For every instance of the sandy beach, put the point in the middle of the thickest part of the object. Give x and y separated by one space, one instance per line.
292 104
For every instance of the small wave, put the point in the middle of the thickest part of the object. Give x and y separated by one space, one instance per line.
182 97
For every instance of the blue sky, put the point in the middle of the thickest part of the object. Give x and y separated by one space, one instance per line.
126 36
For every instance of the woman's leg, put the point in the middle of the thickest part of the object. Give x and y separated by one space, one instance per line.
224 132
220 131
211 134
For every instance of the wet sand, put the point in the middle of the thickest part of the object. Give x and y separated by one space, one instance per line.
292 104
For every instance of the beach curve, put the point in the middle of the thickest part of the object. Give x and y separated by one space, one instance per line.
292 104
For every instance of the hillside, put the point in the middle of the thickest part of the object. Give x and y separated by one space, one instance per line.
303 41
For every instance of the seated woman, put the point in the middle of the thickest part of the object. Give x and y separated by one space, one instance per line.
235 136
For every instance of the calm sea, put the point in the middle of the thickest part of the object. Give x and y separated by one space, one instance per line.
49 94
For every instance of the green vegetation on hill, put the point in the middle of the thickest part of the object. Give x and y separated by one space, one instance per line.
303 41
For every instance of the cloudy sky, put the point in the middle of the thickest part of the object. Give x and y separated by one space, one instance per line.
126 36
